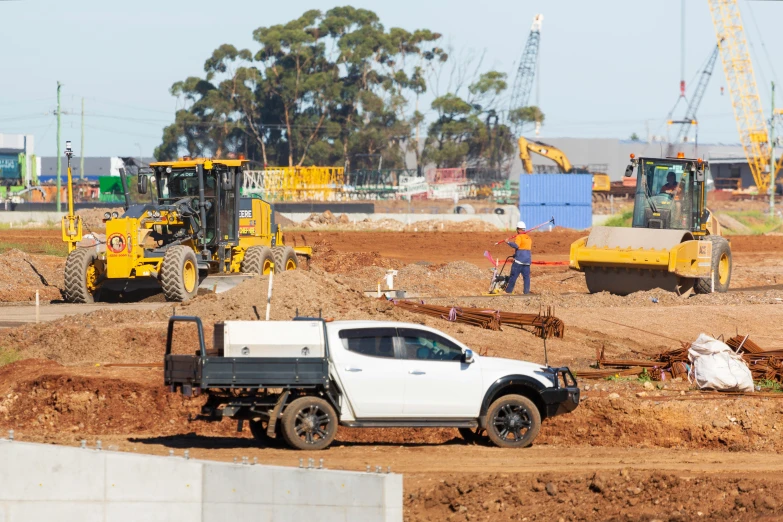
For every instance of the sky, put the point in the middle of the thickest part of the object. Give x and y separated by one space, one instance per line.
608 68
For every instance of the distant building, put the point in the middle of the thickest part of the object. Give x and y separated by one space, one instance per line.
18 164
94 167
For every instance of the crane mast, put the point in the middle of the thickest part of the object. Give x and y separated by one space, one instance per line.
693 106
523 83
744 93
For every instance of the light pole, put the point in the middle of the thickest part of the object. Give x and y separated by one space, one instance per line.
139 146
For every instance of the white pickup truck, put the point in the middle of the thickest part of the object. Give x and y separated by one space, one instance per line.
298 380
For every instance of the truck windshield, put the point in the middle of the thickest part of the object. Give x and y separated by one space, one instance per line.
666 195
184 183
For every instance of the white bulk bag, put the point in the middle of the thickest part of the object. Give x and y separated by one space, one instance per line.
715 366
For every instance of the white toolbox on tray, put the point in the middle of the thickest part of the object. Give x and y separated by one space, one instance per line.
270 338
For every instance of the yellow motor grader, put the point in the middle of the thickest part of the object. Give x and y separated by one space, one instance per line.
196 225
674 243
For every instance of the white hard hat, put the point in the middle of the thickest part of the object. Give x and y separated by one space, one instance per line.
521 224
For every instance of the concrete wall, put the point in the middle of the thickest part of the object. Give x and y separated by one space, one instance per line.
20 218
45 482
503 221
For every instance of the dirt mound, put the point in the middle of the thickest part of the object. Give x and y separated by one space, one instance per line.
634 495
22 274
43 397
331 260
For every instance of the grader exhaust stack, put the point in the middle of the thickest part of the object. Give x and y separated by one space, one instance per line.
674 243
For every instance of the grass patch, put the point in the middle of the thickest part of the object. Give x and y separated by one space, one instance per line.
769 385
621 220
49 249
8 356
757 221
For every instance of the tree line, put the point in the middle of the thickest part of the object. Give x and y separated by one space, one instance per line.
337 88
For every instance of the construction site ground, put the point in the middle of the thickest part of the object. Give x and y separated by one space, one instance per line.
656 451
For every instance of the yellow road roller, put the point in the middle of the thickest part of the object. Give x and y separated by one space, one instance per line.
674 242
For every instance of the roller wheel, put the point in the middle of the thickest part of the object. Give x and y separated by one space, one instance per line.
179 275
309 423
513 421
285 258
81 276
721 267
257 260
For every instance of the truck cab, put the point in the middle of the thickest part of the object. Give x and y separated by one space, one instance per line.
365 374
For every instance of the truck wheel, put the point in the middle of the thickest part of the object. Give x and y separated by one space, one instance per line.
258 429
179 274
257 260
513 421
721 267
309 423
81 276
285 259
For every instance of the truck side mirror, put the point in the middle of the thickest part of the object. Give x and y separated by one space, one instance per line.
142 184
629 171
467 358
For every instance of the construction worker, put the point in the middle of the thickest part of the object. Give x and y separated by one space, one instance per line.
522 258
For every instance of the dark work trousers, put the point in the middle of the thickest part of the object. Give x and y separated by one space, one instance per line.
516 270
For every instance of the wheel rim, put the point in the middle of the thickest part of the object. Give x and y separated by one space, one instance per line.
723 268
91 278
290 264
512 422
189 275
311 424
266 269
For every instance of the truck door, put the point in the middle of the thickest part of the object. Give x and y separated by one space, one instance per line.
373 377
438 383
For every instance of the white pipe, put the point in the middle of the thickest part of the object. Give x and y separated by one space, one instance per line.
37 307
269 292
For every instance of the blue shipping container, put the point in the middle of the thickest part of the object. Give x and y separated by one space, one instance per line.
556 189
9 166
566 197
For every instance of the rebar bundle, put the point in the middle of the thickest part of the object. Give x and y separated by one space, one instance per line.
544 325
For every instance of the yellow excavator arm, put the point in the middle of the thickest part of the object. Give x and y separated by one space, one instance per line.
542 149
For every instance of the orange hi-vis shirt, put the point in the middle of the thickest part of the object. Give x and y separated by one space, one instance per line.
522 243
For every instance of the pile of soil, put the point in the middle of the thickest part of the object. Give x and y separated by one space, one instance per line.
603 495
22 274
327 258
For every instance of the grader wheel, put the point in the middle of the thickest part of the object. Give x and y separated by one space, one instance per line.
257 260
179 274
81 276
285 258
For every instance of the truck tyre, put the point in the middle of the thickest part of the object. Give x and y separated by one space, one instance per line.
81 276
179 274
720 269
258 429
257 260
309 423
513 421
285 259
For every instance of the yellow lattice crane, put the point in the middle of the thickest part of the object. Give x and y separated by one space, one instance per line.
737 65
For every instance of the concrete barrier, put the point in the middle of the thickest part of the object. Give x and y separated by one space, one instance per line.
23 217
505 221
45 482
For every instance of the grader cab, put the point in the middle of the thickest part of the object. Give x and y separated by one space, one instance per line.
197 225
